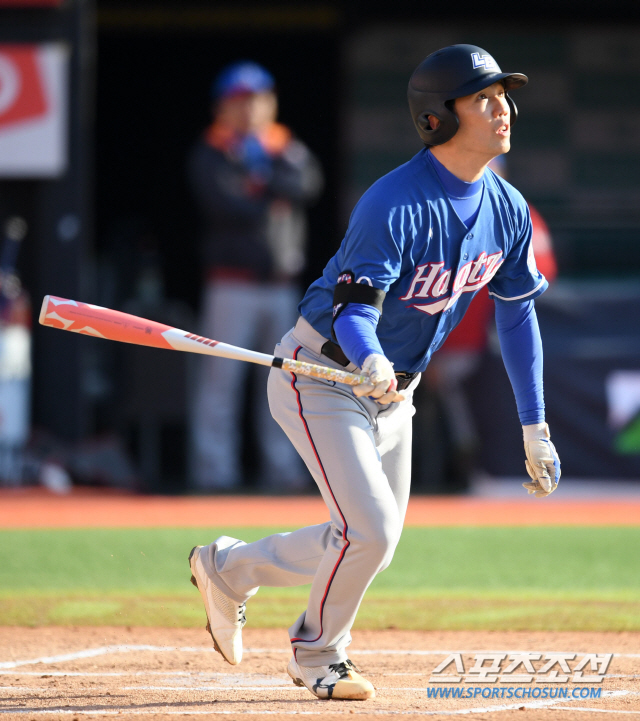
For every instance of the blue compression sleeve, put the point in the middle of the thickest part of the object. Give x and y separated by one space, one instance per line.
521 348
355 330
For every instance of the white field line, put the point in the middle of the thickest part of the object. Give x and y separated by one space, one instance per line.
160 710
413 652
266 687
86 653
257 688
201 674
423 673
594 710
130 648
419 652
170 711
196 674
530 705
238 687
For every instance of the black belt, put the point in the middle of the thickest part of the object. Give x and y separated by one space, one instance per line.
332 350
404 379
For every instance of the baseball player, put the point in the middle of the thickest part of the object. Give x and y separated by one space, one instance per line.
420 243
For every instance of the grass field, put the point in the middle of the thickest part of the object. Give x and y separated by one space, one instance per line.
441 578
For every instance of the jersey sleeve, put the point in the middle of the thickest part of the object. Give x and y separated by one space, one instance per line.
518 278
372 247
521 347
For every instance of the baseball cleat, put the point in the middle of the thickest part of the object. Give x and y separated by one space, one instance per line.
336 681
225 617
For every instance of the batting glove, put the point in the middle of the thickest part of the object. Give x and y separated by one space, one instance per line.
543 463
382 387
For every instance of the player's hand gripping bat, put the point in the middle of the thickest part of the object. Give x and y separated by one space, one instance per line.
99 322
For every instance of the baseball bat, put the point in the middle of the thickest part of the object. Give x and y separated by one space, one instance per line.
93 320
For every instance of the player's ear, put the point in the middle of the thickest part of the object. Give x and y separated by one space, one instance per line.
433 122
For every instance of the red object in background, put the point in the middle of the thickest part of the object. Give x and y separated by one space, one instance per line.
22 95
542 248
471 333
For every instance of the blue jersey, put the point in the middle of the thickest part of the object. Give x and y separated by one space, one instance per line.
405 238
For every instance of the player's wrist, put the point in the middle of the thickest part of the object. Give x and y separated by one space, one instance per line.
382 385
535 432
371 358
378 367
365 355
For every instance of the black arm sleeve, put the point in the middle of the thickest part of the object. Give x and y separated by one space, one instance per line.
347 291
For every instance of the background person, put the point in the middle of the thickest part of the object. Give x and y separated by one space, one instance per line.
251 180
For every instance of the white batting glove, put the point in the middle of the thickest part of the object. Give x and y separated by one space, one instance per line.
382 387
543 463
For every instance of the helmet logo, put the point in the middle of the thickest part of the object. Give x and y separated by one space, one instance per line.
484 61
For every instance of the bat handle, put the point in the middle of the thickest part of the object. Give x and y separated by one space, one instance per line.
316 371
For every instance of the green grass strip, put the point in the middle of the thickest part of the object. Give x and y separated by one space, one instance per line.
441 578
427 612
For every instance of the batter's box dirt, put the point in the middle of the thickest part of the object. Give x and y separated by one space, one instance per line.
78 673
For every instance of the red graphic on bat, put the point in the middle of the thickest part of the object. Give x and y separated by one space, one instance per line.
100 322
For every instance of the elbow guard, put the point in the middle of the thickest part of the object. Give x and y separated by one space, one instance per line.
348 291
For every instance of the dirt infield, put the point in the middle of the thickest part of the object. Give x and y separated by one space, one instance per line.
163 673
36 508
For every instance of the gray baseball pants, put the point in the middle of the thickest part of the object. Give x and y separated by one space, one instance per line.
359 454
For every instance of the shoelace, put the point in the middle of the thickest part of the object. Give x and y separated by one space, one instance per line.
342 669
241 614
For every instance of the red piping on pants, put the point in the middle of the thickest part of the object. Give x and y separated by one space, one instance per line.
345 527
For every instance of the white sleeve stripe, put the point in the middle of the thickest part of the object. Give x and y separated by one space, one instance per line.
520 297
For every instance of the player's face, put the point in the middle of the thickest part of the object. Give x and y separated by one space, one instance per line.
248 112
485 122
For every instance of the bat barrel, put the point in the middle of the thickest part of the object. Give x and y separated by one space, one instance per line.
98 322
